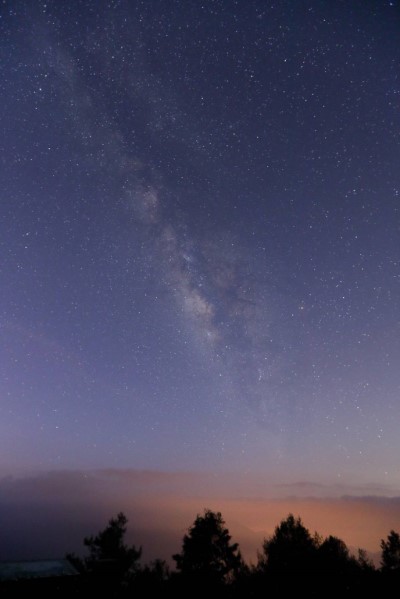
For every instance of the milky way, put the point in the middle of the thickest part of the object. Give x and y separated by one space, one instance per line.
200 237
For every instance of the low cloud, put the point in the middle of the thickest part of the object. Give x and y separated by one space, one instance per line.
48 514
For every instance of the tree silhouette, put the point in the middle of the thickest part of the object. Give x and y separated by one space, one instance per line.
290 549
390 557
107 550
151 579
333 555
207 553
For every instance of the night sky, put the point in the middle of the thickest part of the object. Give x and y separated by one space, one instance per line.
199 233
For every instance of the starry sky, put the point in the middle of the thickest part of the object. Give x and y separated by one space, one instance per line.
199 233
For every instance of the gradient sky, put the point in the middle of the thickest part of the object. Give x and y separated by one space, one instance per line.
199 232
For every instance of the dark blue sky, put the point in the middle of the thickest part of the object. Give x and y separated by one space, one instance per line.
199 229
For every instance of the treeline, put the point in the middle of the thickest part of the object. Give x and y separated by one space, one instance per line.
292 560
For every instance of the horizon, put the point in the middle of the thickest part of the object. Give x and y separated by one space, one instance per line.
47 515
